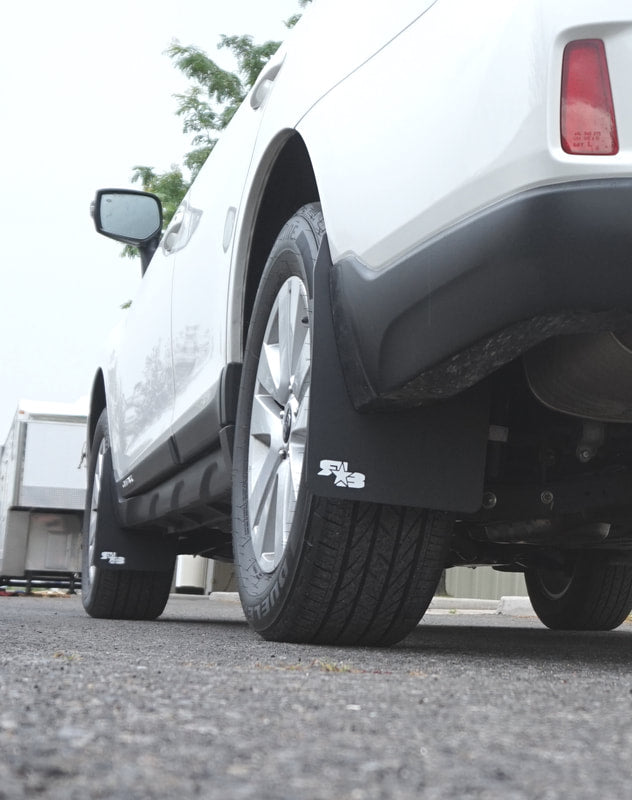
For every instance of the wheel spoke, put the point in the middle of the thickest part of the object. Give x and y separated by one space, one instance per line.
297 449
298 328
301 356
96 482
94 510
284 509
263 531
285 332
301 375
262 483
293 322
265 421
269 371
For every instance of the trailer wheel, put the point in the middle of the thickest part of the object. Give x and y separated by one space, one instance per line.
311 569
108 593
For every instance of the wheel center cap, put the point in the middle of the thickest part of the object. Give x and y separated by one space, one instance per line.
287 424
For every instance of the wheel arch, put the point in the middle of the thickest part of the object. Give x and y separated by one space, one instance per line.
284 183
97 404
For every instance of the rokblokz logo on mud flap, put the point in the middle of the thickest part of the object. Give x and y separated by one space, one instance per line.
343 476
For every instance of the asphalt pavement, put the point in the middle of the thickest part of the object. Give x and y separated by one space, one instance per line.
473 704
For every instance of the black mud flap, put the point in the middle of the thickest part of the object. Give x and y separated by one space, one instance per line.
429 457
122 550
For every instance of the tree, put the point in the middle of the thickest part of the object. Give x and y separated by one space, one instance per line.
207 107
216 93
169 186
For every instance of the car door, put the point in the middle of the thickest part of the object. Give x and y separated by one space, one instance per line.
139 378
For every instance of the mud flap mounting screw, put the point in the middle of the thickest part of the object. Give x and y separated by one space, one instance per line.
489 500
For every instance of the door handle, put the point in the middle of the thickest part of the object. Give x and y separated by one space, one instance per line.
171 234
181 228
264 82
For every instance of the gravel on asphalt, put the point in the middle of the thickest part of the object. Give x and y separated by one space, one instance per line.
470 705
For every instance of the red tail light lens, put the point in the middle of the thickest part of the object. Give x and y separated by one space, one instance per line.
588 125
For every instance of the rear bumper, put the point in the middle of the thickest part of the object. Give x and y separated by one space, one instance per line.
549 261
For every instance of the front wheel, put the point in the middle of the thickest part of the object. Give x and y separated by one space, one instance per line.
106 593
312 569
583 596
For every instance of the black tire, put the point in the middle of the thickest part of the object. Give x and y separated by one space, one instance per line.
584 597
334 571
107 593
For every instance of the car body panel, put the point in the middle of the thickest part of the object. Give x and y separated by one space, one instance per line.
325 49
493 134
138 372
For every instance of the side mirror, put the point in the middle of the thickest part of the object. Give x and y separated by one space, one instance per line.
130 217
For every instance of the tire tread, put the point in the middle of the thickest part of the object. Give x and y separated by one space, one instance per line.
373 573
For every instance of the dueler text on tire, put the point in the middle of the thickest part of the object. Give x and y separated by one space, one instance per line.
129 594
312 569
585 597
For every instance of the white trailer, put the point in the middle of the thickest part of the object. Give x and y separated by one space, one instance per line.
42 494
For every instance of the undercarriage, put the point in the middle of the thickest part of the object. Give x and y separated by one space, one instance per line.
556 485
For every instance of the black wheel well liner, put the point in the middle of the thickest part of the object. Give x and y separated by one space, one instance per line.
289 185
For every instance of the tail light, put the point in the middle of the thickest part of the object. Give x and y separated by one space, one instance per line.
588 125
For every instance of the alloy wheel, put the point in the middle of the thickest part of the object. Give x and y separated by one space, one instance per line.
278 424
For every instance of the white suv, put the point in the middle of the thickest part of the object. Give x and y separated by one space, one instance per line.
387 331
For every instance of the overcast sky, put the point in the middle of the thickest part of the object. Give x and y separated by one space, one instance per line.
86 95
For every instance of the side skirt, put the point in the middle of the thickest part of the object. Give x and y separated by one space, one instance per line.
201 485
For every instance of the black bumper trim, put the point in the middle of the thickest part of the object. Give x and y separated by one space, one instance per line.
552 260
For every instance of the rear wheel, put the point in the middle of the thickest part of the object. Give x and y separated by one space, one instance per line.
309 568
584 596
107 593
